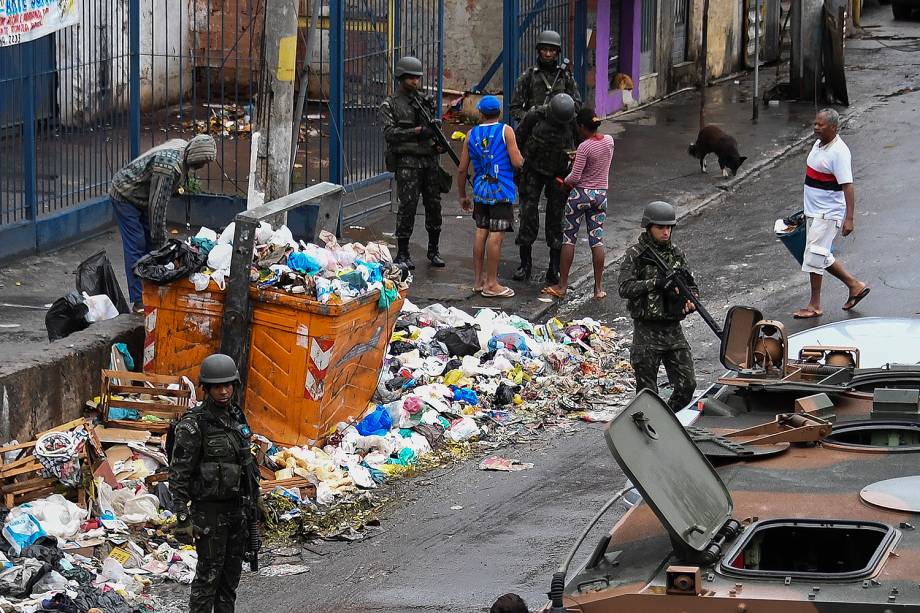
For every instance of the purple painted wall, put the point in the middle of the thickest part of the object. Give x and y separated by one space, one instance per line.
608 101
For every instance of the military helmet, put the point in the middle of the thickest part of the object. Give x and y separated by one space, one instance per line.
659 213
408 65
218 368
549 38
562 108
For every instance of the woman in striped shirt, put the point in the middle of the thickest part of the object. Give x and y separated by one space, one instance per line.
587 183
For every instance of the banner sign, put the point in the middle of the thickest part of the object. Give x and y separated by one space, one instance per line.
25 20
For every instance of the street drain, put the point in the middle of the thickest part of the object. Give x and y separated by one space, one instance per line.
875 436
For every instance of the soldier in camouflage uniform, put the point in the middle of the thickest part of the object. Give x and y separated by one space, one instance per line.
210 474
540 82
545 137
657 309
413 156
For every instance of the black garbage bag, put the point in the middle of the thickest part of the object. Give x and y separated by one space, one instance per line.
165 497
66 316
505 394
18 581
110 602
400 347
460 341
95 276
155 266
45 549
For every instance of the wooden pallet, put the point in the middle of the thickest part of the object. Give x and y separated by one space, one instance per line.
306 488
147 394
21 480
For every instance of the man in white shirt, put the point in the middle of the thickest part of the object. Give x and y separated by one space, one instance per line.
830 204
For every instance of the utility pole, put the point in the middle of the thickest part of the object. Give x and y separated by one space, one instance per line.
271 143
704 52
756 109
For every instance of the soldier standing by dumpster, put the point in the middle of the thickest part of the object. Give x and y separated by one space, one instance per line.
213 470
412 155
140 192
546 138
548 77
657 308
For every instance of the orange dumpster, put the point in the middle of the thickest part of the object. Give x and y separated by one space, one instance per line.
311 365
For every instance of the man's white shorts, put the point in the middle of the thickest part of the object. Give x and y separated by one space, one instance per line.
819 239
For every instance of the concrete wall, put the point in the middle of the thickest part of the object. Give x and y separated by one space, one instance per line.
42 394
726 36
93 58
472 41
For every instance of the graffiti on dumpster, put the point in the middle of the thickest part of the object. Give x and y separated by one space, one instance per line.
25 20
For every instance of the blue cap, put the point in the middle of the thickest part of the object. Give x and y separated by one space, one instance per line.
489 105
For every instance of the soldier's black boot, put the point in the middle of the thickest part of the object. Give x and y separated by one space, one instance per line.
552 273
523 271
402 254
434 255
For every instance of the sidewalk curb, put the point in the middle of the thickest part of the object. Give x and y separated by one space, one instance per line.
697 204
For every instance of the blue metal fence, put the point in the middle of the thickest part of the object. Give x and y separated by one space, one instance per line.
77 105
524 20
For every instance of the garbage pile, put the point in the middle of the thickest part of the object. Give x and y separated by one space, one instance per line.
92 528
100 552
452 382
332 274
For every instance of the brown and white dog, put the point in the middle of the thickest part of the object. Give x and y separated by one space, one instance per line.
713 139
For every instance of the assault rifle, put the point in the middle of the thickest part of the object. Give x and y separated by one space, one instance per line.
251 508
678 278
560 70
435 127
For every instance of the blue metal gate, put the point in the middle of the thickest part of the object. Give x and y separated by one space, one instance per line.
129 77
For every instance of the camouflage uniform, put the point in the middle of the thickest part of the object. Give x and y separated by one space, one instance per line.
532 89
657 334
211 459
544 144
414 160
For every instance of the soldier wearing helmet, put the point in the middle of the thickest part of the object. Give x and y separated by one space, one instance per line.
546 137
544 79
210 472
412 155
657 309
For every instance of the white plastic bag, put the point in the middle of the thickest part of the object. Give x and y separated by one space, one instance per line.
226 237
100 308
207 234
462 430
283 236
200 281
141 508
58 516
219 257
264 233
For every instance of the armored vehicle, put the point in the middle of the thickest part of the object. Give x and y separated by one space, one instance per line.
792 485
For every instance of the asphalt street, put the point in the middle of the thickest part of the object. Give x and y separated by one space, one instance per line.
512 529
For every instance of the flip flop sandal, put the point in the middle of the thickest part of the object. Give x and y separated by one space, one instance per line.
812 314
506 293
552 291
852 301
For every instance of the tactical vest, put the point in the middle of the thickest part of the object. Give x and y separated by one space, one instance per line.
546 147
540 85
225 455
407 117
